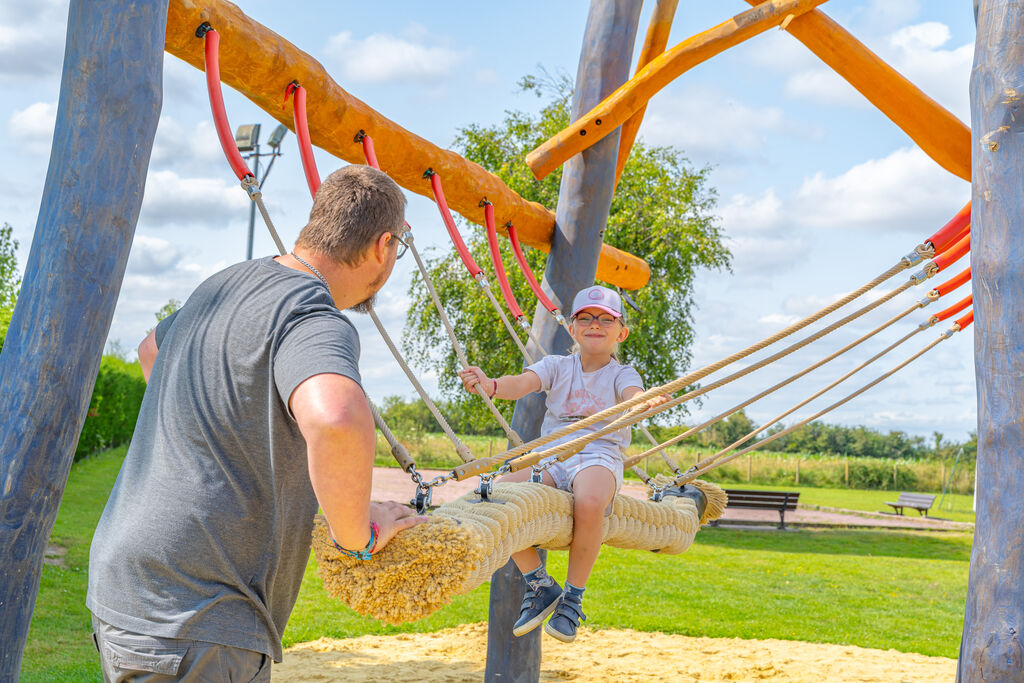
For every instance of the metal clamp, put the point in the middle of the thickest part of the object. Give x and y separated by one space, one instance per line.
657 493
424 496
913 258
486 487
251 186
536 475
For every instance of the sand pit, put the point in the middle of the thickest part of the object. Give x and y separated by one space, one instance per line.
457 654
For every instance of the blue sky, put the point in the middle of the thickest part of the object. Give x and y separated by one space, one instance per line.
818 192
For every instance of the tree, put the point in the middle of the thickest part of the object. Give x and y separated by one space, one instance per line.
661 211
165 311
10 283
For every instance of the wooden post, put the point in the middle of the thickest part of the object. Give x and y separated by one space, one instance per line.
584 198
798 471
749 463
106 118
993 649
847 468
895 483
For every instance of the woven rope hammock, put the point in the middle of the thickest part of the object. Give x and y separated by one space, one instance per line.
465 541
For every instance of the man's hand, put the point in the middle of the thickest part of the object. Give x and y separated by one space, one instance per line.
392 517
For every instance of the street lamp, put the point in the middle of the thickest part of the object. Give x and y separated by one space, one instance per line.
247 138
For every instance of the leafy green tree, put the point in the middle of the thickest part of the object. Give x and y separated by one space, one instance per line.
661 211
10 283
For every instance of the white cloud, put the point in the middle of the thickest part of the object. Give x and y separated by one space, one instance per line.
33 126
32 38
904 191
152 256
174 200
387 58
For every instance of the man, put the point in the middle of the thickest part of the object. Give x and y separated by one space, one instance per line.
253 415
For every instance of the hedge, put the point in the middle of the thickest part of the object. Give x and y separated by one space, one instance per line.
114 407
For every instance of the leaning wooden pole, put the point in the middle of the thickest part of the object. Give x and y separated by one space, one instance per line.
993 645
260 64
584 199
939 133
106 119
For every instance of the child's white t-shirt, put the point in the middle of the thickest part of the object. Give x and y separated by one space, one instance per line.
574 394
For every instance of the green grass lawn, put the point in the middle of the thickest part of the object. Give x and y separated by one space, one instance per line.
869 588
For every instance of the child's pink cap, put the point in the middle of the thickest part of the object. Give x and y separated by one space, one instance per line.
598 297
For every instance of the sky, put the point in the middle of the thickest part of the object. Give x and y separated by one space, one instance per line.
817 191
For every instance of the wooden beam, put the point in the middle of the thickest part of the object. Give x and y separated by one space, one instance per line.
938 132
615 109
654 44
107 114
260 64
993 645
584 198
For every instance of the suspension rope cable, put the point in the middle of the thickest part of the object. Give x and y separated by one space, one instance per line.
484 464
951 233
499 272
566 449
960 324
467 259
313 180
934 294
792 378
400 452
538 291
220 121
371 158
460 447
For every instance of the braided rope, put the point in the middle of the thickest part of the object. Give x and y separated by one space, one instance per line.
460 352
789 380
400 452
689 378
658 448
689 476
460 447
485 286
563 451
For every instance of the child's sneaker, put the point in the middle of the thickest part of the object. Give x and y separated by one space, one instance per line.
567 618
538 603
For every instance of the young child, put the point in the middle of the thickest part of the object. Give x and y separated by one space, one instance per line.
578 385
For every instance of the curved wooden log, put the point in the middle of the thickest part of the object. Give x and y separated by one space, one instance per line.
615 109
260 64
938 132
654 44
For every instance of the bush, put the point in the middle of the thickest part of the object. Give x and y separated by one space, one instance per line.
114 407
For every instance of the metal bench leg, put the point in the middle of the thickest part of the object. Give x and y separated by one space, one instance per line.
782 519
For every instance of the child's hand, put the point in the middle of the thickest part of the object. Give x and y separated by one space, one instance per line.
656 401
473 376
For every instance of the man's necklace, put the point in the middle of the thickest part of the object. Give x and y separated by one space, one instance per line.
314 270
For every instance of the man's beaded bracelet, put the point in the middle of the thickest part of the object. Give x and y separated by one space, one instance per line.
366 552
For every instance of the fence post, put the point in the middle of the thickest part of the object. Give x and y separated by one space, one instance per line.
798 471
748 467
846 463
895 484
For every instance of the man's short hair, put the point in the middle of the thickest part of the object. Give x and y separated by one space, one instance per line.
354 206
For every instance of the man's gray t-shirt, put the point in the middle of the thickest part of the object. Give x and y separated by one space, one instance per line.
207 532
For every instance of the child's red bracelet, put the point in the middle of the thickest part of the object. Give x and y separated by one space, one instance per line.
495 391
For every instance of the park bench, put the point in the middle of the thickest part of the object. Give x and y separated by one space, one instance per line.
763 500
918 501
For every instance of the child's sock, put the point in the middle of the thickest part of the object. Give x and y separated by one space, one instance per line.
574 590
538 578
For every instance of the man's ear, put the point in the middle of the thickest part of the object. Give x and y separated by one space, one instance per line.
380 247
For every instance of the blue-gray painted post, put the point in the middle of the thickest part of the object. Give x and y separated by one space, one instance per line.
584 198
992 646
107 114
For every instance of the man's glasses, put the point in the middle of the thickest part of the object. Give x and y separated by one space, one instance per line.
604 320
403 246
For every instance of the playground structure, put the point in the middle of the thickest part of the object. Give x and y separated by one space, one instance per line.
75 319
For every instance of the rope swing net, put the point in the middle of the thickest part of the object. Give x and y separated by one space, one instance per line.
465 541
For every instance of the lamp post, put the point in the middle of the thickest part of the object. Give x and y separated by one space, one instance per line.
247 137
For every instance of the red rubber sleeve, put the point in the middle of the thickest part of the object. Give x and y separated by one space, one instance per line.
965 321
955 308
954 253
449 224
499 266
369 152
950 233
220 117
946 287
517 249
305 144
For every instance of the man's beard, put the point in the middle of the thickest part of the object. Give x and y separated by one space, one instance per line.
366 304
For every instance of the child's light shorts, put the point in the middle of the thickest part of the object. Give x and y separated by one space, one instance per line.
564 472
